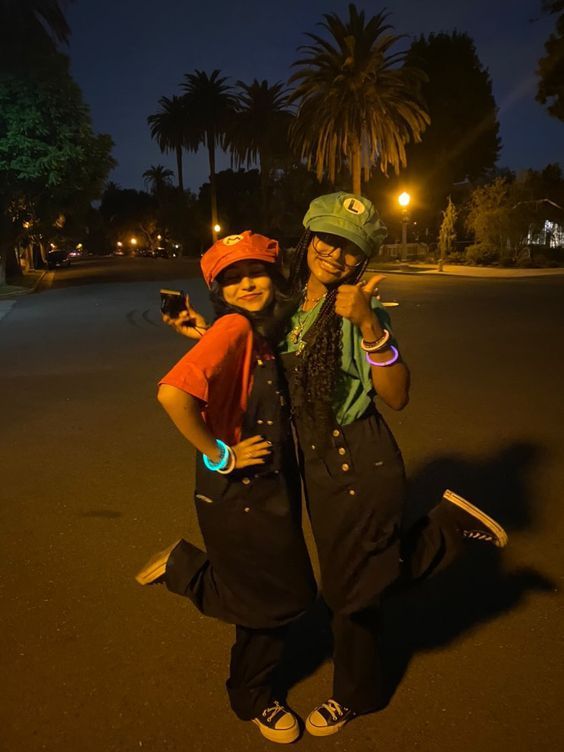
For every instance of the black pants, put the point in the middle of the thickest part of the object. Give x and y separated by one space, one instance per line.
256 653
355 487
255 657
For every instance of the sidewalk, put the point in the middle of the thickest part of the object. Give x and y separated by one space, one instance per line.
460 270
29 283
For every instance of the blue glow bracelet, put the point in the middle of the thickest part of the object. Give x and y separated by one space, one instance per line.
223 460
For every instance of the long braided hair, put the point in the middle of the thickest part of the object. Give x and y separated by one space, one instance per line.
318 368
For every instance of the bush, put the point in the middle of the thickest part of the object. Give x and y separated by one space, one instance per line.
480 253
456 257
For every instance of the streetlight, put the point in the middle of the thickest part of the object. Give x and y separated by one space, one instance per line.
403 200
216 228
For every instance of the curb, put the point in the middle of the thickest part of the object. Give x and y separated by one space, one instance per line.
18 291
505 275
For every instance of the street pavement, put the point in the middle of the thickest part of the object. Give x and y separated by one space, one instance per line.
95 479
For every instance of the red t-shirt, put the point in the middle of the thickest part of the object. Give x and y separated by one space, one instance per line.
218 371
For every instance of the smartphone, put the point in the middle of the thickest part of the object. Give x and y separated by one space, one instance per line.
173 302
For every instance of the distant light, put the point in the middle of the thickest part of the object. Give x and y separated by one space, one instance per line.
52 245
404 199
217 228
119 244
159 237
176 245
133 241
79 246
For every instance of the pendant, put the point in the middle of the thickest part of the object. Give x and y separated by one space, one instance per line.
296 333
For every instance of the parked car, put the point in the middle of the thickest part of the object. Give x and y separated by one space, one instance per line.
57 259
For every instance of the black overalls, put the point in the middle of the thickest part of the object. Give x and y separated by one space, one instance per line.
256 571
355 490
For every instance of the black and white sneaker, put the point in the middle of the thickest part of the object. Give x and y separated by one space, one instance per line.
278 724
154 570
328 718
474 524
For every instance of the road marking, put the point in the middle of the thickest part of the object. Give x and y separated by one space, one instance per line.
6 307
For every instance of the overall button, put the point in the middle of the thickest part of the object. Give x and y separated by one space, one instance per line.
345 467
336 432
342 450
313 446
269 422
352 492
260 422
269 381
245 481
247 509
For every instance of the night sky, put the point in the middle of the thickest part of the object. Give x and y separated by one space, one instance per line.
126 54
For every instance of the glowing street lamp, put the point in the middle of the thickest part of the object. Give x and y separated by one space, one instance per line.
403 200
133 241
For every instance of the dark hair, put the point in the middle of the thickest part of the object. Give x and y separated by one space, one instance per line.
318 368
272 322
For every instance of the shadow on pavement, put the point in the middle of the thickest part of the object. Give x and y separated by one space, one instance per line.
473 590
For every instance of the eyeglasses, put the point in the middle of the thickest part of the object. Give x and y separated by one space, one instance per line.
324 246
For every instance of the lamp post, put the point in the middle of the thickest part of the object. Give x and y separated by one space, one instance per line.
403 200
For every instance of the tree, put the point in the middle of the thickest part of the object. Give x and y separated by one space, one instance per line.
36 26
550 70
259 132
52 164
358 103
157 177
499 224
171 128
462 141
212 105
124 211
447 233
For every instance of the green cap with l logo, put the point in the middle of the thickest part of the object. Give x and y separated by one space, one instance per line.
349 216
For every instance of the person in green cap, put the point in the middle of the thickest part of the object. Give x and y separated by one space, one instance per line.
341 358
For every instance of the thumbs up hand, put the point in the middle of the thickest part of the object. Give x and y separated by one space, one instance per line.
353 301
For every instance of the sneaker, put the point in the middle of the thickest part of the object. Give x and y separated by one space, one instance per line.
154 570
328 718
278 724
474 524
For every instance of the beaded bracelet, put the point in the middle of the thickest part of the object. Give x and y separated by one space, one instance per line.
223 460
376 345
389 362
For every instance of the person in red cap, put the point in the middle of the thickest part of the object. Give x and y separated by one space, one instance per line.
226 397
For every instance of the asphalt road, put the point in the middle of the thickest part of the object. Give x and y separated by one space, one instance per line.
94 479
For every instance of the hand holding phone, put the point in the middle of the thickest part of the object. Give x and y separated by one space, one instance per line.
177 313
173 302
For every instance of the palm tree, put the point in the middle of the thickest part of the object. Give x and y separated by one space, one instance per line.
157 177
36 17
171 129
355 103
30 29
212 105
259 130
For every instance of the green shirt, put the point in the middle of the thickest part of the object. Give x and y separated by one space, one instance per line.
356 390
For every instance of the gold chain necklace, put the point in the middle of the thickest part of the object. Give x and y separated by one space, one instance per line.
297 333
